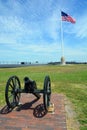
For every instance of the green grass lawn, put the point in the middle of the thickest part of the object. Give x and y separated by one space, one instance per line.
71 80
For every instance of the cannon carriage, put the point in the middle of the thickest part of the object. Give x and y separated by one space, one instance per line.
13 91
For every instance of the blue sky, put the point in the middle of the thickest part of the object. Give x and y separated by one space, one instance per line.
30 30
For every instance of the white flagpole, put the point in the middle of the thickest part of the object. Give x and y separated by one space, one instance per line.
62 44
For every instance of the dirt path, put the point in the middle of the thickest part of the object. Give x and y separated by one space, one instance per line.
72 123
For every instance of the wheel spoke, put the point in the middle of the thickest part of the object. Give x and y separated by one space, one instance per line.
10 96
13 82
11 85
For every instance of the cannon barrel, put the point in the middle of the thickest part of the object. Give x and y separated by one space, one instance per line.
30 86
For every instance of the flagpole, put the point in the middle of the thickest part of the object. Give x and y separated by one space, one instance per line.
62 44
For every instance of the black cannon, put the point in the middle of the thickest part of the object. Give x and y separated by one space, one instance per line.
13 91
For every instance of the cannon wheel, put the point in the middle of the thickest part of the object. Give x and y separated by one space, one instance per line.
47 92
12 95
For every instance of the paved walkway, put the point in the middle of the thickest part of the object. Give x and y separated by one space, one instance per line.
32 116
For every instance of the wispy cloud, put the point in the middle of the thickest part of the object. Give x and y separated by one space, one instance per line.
81 28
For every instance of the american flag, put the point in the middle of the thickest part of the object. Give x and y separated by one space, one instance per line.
66 17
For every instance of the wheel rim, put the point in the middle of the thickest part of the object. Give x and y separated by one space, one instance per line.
47 92
12 94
